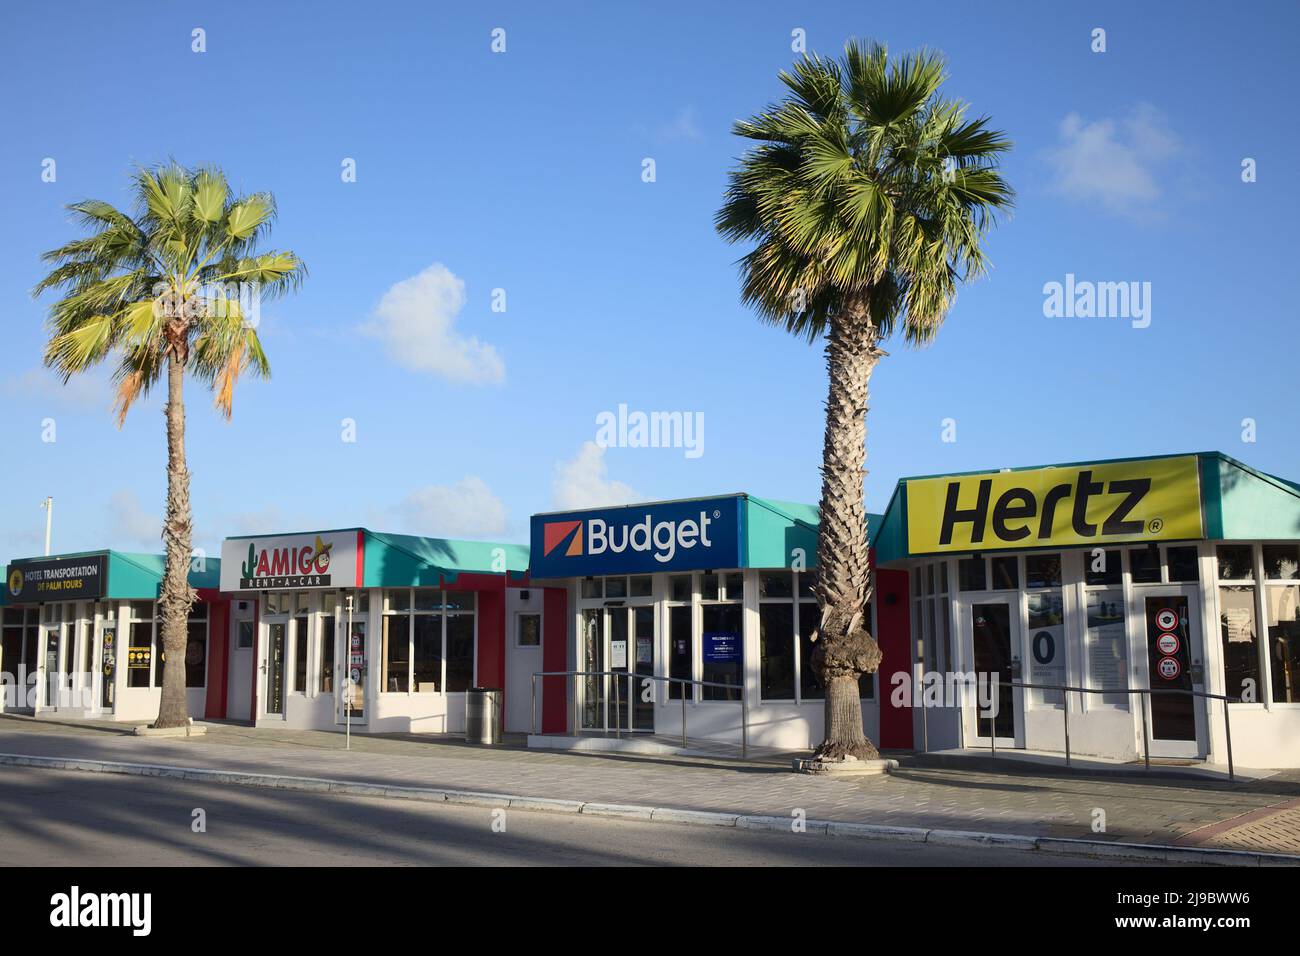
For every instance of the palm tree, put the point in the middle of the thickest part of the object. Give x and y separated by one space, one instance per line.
166 290
868 195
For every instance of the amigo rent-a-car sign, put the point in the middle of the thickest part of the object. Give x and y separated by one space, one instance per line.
318 559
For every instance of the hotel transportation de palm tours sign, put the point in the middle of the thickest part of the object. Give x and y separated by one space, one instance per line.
57 579
1091 505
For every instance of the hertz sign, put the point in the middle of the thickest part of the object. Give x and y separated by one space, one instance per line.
1075 506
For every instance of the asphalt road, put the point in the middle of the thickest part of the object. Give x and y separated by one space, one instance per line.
62 818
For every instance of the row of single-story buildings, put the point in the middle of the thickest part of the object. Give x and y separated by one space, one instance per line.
1165 591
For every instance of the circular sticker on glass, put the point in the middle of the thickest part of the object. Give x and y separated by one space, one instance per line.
1169 667
1167 644
1166 619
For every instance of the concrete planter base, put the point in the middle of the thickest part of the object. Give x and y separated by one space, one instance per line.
193 730
843 768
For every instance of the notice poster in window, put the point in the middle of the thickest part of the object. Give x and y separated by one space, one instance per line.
1046 646
645 650
618 655
721 647
1107 645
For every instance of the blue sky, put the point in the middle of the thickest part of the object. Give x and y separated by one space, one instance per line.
522 171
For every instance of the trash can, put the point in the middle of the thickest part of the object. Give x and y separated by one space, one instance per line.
483 715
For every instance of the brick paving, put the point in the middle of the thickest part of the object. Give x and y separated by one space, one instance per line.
1262 815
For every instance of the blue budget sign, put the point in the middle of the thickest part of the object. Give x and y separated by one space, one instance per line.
703 533
721 647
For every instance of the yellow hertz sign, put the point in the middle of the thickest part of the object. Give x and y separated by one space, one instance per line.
1079 506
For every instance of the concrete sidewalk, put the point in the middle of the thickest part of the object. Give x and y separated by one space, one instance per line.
1261 816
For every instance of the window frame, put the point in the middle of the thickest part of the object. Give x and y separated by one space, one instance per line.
410 612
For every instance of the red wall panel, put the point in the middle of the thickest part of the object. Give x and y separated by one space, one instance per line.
894 634
555 657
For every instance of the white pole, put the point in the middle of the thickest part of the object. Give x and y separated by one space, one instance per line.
48 505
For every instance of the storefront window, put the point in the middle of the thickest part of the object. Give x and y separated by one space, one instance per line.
1236 562
1107 646
641 585
679 586
1240 642
1284 641
301 639
196 646
970 574
428 641
1042 571
1183 564
722 649
140 646
1006 574
460 652
1281 562
681 651
428 653
593 588
396 653
1102 567
775 584
616 587
1046 646
709 586
776 650
1144 565
325 654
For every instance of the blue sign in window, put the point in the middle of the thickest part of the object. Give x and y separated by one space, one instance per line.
721 647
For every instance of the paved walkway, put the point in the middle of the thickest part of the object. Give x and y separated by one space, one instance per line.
1262 815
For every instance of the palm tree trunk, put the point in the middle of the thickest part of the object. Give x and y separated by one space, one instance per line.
177 595
844 648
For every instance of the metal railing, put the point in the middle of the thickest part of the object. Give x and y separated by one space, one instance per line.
633 676
1067 689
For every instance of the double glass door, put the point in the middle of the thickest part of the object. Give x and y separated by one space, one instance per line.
621 642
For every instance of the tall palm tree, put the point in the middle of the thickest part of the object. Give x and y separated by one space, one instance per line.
166 290
868 196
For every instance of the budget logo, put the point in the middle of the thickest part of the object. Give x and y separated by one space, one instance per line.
557 533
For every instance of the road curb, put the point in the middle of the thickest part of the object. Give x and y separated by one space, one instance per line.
1062 846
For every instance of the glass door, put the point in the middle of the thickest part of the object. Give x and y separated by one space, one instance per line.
274 667
994 706
591 658
352 702
1173 664
620 641
645 691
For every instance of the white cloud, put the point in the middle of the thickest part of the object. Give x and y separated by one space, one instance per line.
465 509
1117 162
582 482
131 524
683 126
415 320
88 392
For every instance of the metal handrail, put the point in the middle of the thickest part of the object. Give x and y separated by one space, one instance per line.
1146 745
631 675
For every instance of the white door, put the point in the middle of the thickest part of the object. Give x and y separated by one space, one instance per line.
239 687
1174 665
523 657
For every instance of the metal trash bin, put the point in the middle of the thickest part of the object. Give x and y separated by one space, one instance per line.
483 715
